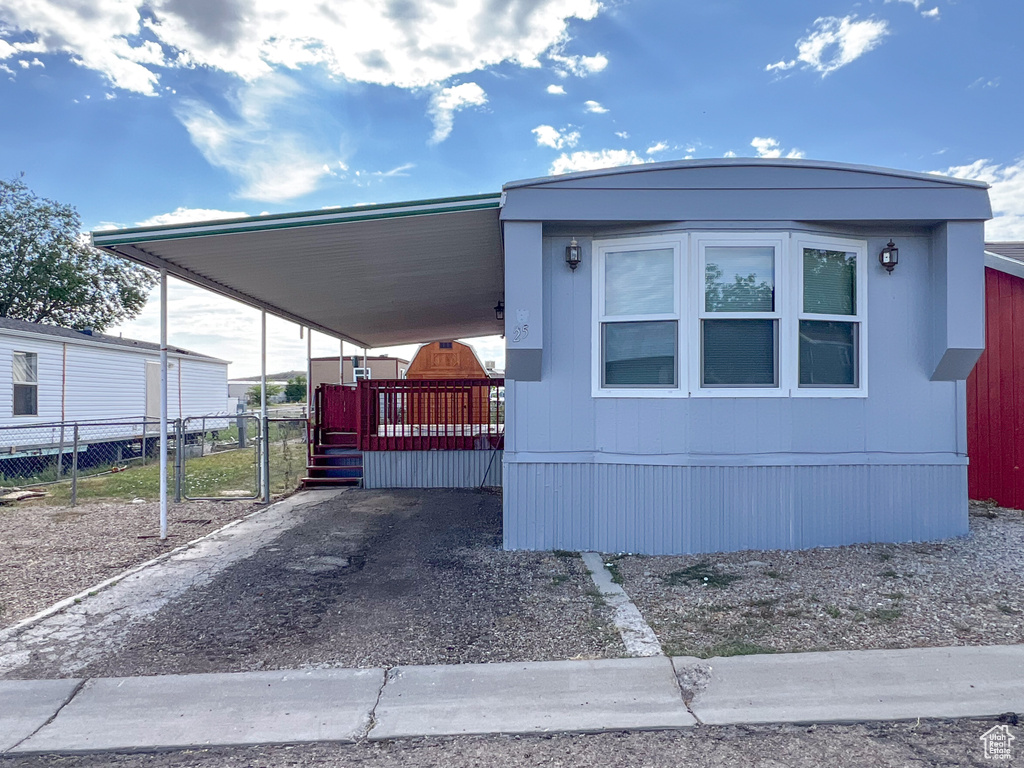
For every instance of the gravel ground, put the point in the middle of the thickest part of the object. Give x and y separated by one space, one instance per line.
965 591
880 745
374 578
50 553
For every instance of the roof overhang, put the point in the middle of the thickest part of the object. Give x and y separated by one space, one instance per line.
375 275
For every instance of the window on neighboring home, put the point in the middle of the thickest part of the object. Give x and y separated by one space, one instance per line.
830 317
25 374
638 296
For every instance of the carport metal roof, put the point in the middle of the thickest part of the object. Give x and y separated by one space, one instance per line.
375 275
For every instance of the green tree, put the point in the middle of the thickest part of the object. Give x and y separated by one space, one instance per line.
295 389
51 275
252 395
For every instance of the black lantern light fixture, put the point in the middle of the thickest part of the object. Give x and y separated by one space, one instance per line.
499 310
573 254
889 256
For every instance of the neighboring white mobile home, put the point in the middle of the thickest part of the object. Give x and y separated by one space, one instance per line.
50 375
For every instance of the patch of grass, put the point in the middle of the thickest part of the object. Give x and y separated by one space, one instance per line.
613 569
209 475
833 611
773 574
884 557
564 553
889 573
735 648
559 578
894 595
701 574
885 614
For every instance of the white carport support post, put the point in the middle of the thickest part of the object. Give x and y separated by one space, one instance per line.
163 404
309 372
264 424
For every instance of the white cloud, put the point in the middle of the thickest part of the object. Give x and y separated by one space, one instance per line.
595 107
273 162
622 134
447 101
549 136
832 43
985 82
1006 194
184 215
585 161
661 146
556 90
730 153
400 42
769 147
930 14
580 66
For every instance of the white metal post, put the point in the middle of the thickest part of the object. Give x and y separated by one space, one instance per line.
264 424
341 361
163 404
309 371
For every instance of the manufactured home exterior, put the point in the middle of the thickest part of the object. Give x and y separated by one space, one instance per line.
729 367
50 375
995 388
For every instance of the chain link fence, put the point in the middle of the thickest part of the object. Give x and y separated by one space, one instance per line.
215 456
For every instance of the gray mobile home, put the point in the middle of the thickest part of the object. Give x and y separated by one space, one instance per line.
729 366
702 355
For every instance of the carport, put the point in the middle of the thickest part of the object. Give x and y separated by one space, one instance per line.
373 275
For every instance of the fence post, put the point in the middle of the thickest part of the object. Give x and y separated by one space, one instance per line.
60 453
202 440
74 469
145 426
179 458
265 458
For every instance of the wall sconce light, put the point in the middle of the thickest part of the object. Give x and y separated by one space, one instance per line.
889 257
573 254
499 310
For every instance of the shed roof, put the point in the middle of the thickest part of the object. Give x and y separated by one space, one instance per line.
85 337
1006 257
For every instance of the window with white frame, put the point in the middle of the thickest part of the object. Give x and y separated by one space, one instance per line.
766 314
830 316
25 375
638 296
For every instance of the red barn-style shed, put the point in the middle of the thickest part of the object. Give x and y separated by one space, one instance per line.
995 389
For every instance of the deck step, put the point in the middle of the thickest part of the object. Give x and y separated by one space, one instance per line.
312 482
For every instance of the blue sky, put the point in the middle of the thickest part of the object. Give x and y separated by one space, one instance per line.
188 109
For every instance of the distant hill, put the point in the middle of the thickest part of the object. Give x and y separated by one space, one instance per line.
273 376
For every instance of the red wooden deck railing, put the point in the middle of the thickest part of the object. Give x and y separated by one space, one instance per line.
404 415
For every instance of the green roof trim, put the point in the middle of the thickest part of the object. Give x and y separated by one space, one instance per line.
298 219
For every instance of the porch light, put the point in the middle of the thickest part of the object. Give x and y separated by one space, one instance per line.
573 254
499 310
889 257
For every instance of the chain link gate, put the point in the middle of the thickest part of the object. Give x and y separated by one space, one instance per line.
217 458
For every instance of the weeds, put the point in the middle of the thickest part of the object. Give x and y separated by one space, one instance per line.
885 614
702 573
833 611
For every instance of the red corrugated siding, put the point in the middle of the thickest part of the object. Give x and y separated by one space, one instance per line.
995 397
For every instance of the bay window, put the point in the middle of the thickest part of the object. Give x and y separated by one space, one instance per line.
729 314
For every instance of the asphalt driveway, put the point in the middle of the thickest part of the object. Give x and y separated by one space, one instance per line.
372 578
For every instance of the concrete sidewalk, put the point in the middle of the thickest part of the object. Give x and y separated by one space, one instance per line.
177 711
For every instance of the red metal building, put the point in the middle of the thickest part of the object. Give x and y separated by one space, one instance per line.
995 389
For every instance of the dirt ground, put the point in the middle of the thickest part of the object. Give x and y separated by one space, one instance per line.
940 744
373 578
963 591
50 553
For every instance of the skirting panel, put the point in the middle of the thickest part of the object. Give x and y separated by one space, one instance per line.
689 509
431 469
